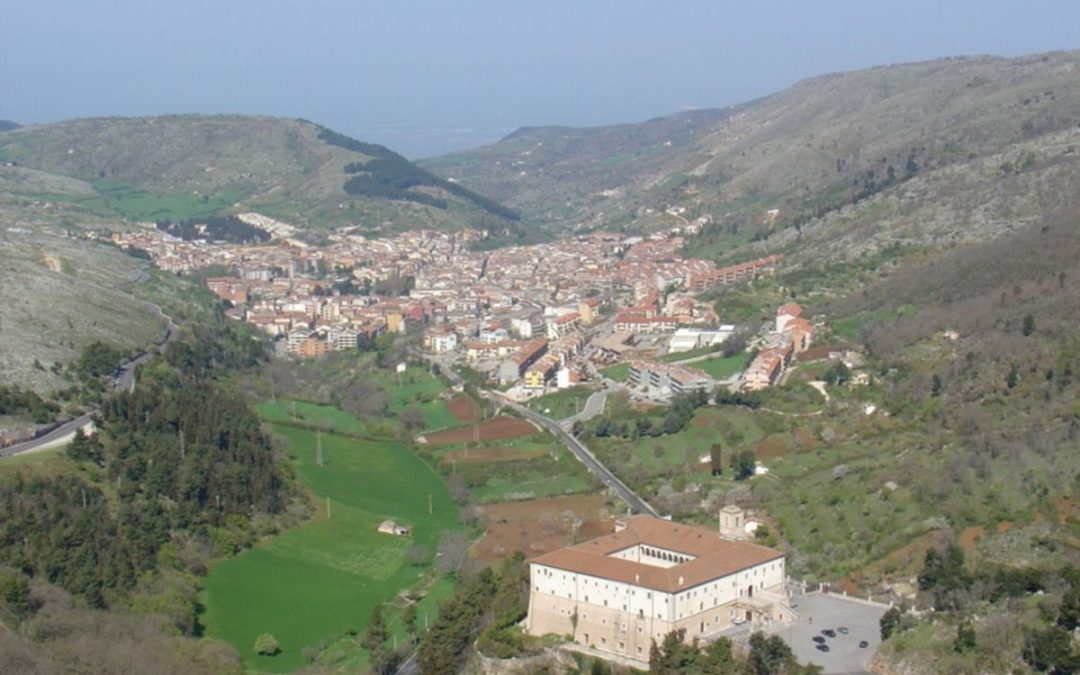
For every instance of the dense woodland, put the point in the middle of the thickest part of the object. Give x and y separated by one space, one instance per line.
990 618
388 175
216 228
17 401
177 473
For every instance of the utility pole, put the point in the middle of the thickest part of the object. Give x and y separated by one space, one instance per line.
430 507
328 508
183 449
318 449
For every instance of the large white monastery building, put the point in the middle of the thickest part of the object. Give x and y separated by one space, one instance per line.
621 592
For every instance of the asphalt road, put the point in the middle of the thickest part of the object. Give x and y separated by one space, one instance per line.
410 666
637 504
125 380
584 455
66 429
594 405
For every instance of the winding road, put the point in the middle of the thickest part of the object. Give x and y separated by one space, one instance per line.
124 380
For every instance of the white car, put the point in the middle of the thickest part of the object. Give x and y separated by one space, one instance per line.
738 621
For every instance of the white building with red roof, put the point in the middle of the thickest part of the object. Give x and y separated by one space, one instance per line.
621 592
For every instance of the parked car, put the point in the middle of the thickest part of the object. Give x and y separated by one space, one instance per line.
864 644
818 639
829 632
823 648
738 621
842 629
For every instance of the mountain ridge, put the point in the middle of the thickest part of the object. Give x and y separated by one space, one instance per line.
220 164
807 149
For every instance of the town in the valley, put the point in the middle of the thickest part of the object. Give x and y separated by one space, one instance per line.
531 318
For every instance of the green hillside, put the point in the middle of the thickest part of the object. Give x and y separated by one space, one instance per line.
191 166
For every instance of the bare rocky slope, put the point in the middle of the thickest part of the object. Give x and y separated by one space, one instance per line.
807 151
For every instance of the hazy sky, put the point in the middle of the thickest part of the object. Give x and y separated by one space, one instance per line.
427 76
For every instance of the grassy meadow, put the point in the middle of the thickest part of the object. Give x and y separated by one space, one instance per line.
309 584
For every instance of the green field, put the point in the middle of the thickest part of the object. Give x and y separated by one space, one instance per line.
619 372
288 411
418 388
722 367
136 204
562 403
734 428
309 583
672 357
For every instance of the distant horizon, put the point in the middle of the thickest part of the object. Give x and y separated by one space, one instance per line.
425 78
386 135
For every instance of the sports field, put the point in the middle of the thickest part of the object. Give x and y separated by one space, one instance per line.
311 582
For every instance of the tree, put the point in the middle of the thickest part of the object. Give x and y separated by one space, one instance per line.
408 618
412 419
743 464
1029 325
673 656
944 574
81 448
267 645
375 634
838 374
890 621
453 552
15 594
965 638
1050 650
716 459
1069 614
935 385
719 659
769 655
1013 378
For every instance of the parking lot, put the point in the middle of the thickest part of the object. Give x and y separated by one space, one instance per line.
818 611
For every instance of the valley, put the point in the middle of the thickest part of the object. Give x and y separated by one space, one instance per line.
846 310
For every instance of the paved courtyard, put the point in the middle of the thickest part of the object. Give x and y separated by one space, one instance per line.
818 611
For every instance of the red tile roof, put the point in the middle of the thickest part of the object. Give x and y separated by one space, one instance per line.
713 556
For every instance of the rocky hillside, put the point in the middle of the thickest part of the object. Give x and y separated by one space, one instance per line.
190 166
807 151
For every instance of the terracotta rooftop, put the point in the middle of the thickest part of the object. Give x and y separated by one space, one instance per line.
714 557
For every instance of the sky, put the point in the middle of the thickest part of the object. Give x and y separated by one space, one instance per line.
425 77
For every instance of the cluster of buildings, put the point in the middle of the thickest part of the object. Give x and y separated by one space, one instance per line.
522 314
667 379
620 593
792 335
